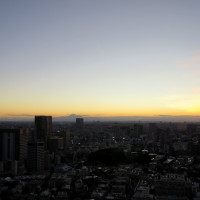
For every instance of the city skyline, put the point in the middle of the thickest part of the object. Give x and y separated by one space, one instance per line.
99 58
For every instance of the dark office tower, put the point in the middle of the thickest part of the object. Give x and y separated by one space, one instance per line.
43 127
66 138
35 160
9 150
9 144
24 134
79 123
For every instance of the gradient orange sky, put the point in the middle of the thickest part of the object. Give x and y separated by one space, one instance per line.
99 58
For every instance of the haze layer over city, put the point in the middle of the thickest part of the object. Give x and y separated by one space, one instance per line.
101 60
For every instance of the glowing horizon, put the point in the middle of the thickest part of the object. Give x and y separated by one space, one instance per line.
139 112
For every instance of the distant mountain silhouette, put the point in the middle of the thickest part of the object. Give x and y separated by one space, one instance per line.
72 118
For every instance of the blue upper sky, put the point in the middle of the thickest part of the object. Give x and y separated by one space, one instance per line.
99 58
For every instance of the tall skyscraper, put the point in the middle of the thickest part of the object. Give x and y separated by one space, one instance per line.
9 144
35 160
13 150
37 147
43 127
24 134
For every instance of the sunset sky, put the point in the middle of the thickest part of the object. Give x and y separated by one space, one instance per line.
99 57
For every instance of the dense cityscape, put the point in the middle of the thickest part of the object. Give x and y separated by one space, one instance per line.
99 100
99 160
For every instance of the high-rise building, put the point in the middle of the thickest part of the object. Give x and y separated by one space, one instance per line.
35 160
13 150
24 134
66 138
37 146
9 144
43 127
55 143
